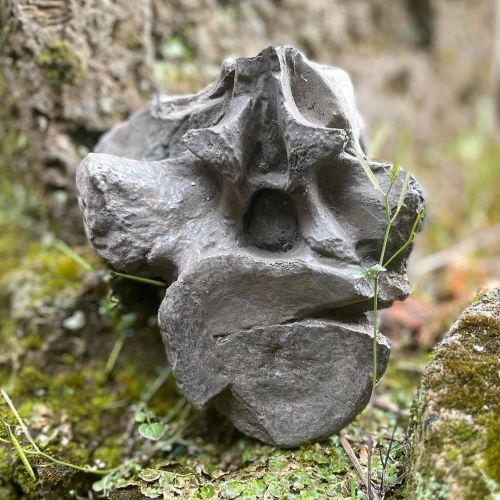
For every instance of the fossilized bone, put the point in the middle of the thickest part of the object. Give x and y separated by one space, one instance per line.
248 200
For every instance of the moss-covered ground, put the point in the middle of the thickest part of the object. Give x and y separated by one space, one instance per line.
83 363
60 324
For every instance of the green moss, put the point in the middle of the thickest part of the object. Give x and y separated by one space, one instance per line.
492 447
454 421
61 63
429 488
133 42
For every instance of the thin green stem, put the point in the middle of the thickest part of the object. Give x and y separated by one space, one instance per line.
384 245
69 252
388 216
115 353
374 381
36 451
181 429
409 241
39 453
89 470
389 220
155 386
139 279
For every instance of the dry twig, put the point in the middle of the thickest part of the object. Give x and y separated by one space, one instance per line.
355 462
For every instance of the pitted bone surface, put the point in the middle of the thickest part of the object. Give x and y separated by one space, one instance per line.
248 200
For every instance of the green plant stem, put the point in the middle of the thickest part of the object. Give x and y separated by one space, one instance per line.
139 279
155 386
36 451
409 241
115 353
89 470
389 219
69 252
374 381
13 409
39 453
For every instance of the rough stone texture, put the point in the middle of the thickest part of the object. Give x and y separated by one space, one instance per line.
453 438
249 199
72 69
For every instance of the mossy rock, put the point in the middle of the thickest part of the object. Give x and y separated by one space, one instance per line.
61 62
454 450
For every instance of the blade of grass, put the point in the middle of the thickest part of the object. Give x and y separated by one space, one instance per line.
115 353
354 459
25 430
37 451
19 451
69 252
353 488
408 242
402 195
367 170
139 279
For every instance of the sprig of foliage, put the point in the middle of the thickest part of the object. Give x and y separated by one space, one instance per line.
24 452
69 252
375 271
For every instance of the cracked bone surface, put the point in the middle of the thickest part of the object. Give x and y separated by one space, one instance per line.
248 200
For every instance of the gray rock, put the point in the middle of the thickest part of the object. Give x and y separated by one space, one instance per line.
248 200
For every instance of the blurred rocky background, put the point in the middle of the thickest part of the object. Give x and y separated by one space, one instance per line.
80 350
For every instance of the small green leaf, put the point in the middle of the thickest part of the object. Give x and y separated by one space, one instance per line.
362 272
103 484
231 489
153 431
402 195
207 491
368 171
150 475
377 268
143 415
370 272
395 172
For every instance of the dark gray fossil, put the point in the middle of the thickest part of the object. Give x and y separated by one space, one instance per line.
248 200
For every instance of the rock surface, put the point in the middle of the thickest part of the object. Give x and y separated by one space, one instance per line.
454 450
71 69
248 197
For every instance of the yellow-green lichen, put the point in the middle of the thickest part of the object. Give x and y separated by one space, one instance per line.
61 63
